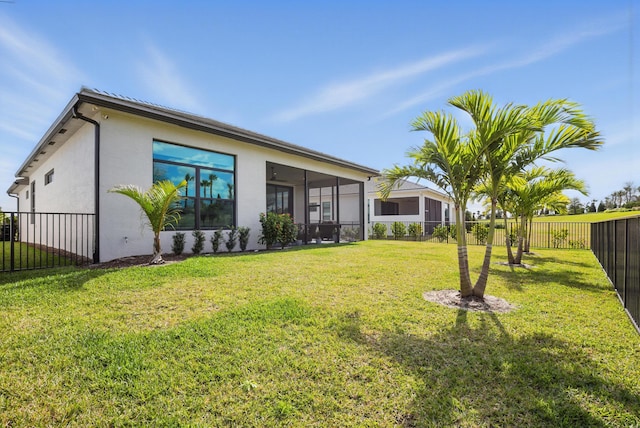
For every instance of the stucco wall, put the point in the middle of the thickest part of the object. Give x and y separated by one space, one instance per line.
126 158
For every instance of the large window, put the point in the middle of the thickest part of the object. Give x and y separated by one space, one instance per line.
210 192
280 199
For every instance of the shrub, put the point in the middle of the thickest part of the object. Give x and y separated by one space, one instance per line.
270 229
577 244
198 244
232 238
379 230
440 232
178 243
453 232
480 231
415 230
216 239
288 230
243 235
398 229
350 234
277 228
559 237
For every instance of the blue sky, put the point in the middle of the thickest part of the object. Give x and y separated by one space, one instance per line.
342 77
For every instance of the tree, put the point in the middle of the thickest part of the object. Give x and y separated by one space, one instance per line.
502 142
601 207
592 207
629 191
575 206
187 178
160 206
533 189
452 161
514 137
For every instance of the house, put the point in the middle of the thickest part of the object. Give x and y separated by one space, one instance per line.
410 203
101 140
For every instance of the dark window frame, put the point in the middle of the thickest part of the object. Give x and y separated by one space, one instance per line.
277 189
48 177
197 200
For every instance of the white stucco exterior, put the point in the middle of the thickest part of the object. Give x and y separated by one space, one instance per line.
413 203
126 157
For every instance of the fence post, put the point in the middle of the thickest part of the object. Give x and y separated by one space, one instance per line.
11 243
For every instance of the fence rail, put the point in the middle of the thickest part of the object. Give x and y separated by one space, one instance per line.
616 245
44 240
543 234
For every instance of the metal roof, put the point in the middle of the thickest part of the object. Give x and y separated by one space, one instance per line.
177 117
201 123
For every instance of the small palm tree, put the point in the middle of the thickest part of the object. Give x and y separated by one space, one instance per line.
159 205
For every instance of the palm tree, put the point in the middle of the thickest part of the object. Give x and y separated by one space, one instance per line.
212 178
452 162
159 204
516 137
501 132
503 142
187 178
207 185
536 188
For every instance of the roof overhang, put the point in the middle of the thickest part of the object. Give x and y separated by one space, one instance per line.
55 135
200 123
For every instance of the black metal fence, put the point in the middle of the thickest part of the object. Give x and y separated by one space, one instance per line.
616 244
575 235
45 240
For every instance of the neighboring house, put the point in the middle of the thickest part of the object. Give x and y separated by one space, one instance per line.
411 203
101 140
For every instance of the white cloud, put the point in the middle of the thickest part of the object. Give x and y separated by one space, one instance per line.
161 76
542 52
343 94
34 78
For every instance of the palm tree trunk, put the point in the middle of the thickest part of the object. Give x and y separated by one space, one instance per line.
521 234
529 231
507 232
157 251
481 283
463 259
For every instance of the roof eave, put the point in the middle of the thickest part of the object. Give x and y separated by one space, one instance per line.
213 127
58 124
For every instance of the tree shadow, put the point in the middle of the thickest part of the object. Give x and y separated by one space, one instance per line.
484 376
518 278
61 279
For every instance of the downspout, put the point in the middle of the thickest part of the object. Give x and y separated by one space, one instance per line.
13 195
96 179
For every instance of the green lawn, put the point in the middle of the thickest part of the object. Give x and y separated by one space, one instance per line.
321 336
588 217
29 257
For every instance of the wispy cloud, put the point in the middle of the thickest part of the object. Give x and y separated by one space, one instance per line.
544 51
36 79
340 95
40 71
161 76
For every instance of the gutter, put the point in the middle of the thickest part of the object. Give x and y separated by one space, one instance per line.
96 178
13 195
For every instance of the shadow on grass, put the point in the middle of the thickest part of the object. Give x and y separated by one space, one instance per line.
60 279
518 278
483 376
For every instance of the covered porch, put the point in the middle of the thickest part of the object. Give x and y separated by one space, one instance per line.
325 207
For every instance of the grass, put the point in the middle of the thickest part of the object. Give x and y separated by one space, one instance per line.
320 336
587 217
29 257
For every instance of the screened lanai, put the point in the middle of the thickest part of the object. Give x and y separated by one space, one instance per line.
325 207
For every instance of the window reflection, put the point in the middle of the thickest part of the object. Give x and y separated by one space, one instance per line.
210 191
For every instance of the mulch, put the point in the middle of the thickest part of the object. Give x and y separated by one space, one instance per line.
452 299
